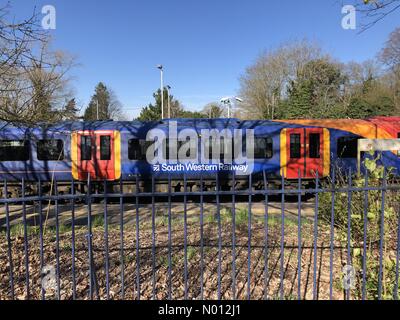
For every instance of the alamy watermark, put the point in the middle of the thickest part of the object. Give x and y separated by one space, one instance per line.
349 21
349 277
49 20
211 150
49 278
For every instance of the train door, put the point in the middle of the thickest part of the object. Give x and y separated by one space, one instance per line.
95 155
304 152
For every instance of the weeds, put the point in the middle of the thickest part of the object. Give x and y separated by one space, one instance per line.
366 207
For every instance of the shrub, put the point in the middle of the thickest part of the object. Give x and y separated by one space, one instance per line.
367 203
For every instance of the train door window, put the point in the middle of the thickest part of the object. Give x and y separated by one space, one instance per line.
50 150
14 150
295 146
105 148
86 148
263 148
347 147
137 149
134 150
208 149
315 146
225 143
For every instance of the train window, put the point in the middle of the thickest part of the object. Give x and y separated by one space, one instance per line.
315 146
137 149
347 147
134 149
187 144
166 148
105 148
50 150
263 148
222 144
14 150
295 146
209 148
86 148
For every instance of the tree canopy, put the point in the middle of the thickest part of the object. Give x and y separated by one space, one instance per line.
152 111
298 80
103 105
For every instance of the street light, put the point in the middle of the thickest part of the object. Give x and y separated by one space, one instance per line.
160 66
228 101
97 108
169 102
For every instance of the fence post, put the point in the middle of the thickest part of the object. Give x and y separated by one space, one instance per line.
349 199
365 236
266 236
169 240
219 238
382 235
106 241
249 239
185 235
42 292
9 243
73 240
201 238
57 240
26 244
332 234
299 240
281 275
137 239
153 236
316 236
233 236
121 237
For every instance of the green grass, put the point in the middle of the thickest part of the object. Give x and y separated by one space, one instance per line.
210 219
18 230
241 217
163 260
62 229
98 221
191 252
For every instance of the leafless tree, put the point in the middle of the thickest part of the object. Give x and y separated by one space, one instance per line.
265 82
373 11
213 110
33 78
116 108
390 56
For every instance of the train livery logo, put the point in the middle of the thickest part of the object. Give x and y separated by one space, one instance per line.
211 150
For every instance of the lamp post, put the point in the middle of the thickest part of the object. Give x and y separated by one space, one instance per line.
97 108
162 89
169 102
228 102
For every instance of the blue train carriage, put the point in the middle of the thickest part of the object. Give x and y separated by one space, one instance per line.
115 151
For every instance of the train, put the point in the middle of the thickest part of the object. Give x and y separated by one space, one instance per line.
115 151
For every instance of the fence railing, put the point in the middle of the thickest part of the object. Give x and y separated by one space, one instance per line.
337 240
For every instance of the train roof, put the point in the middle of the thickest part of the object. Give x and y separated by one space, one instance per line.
365 127
135 124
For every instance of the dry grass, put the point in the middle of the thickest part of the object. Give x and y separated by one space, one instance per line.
264 265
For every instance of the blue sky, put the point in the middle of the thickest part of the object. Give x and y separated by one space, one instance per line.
205 45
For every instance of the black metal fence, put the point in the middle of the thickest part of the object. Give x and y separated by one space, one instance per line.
337 240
